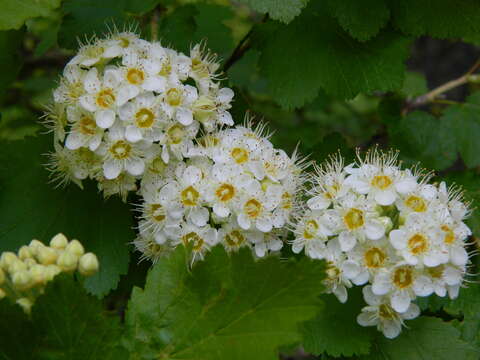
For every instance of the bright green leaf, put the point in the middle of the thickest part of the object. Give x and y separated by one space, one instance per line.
32 208
283 10
415 84
425 338
361 19
314 52
437 18
15 12
335 330
231 308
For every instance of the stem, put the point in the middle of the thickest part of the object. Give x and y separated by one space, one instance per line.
154 24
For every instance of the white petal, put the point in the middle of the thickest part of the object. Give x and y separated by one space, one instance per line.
91 83
192 175
350 269
385 197
184 116
400 301
133 134
105 118
260 249
155 83
88 102
160 237
264 225
341 293
111 169
406 185
243 221
381 285
135 167
391 329
369 297
126 93
374 229
225 118
225 95
74 141
221 210
318 202
366 319
423 286
398 239
459 256
347 241
199 216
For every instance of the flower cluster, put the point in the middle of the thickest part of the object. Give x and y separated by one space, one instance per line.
23 276
123 101
235 188
378 224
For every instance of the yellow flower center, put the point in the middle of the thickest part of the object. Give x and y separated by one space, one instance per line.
403 277
286 201
252 208
166 69
195 239
436 272
449 238
144 118
200 67
386 312
240 155
416 203
87 125
332 271
175 134
124 42
174 97
225 192
135 76
157 212
354 219
234 238
418 244
381 182
75 90
208 141
120 150
374 258
311 227
105 98
157 166
189 196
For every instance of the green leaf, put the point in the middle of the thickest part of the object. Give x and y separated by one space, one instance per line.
87 18
335 330
65 323
464 122
361 19
10 58
415 138
283 10
437 18
31 208
232 308
14 13
425 338
314 52
415 84
141 7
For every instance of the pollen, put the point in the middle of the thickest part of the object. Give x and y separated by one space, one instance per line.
189 196
381 182
332 271
418 244
157 212
354 219
120 150
225 192
194 239
403 277
252 208
374 258
144 118
311 227
200 68
87 125
449 238
175 134
386 312
135 76
416 203
286 203
436 272
174 97
105 98
234 238
240 155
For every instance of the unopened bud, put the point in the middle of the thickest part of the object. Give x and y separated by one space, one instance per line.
17 265
47 255
22 280
74 247
67 261
38 274
51 271
25 252
2 294
6 259
34 246
25 304
88 264
29 262
59 241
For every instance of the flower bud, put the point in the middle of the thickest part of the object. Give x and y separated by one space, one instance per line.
6 259
26 304
25 252
22 280
47 255
387 223
2 294
75 248
38 274
59 241
35 244
67 261
17 265
29 262
88 264
51 271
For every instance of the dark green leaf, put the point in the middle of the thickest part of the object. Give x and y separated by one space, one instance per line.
232 308
10 58
13 13
283 10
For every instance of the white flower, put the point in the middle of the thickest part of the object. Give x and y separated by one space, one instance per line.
119 155
211 109
177 103
233 237
71 86
379 313
418 200
177 140
143 118
203 66
446 278
201 239
84 131
122 185
402 283
91 54
265 242
311 234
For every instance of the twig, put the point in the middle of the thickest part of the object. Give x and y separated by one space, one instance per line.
432 95
154 24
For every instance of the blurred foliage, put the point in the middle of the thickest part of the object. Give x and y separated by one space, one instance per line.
325 76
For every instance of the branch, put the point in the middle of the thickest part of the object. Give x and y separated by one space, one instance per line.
432 95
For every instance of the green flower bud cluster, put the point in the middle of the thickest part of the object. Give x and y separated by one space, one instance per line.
24 275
